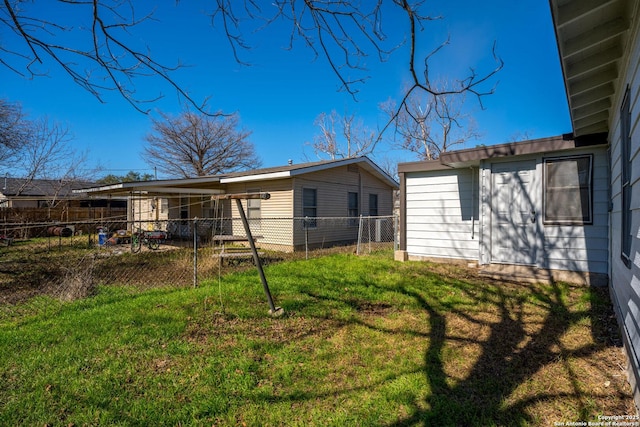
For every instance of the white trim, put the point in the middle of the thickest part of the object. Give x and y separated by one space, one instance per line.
259 177
181 190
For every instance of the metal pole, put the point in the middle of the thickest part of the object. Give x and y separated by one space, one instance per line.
359 235
195 252
306 237
273 310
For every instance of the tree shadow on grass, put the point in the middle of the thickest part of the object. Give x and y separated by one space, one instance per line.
529 351
510 355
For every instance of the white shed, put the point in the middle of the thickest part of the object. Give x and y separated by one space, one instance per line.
540 205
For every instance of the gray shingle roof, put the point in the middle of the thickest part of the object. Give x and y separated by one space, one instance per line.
12 187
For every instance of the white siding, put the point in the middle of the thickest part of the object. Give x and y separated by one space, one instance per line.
442 214
625 281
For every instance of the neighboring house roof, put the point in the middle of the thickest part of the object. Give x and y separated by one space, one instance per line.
194 185
21 187
303 168
592 37
473 156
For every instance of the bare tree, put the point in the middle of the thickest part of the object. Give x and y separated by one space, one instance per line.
342 136
95 41
14 129
428 126
197 144
47 154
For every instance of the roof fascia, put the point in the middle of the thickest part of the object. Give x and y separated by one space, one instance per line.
473 156
258 177
560 143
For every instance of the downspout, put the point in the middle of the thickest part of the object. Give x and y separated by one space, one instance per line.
473 209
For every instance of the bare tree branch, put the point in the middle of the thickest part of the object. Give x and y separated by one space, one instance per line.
94 42
342 137
430 125
97 50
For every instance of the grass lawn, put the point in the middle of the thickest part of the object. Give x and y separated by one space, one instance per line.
364 341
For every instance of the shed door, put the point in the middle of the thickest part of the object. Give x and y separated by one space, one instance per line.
514 213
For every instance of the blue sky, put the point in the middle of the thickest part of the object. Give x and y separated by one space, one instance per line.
280 94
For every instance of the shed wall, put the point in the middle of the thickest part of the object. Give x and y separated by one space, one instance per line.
442 214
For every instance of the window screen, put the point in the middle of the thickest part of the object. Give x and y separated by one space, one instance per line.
353 210
373 205
254 205
568 190
310 206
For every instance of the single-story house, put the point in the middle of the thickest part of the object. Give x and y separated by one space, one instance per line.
565 204
345 188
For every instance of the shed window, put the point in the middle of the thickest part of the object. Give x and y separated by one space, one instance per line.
310 207
568 190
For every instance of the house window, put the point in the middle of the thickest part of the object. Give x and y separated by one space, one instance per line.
373 205
253 206
353 211
310 206
207 206
254 214
184 207
625 147
568 190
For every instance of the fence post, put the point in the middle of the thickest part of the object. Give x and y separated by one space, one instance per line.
396 228
195 252
359 236
306 237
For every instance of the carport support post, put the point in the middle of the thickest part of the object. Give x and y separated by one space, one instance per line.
273 310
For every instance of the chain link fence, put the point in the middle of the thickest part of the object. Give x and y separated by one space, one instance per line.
69 261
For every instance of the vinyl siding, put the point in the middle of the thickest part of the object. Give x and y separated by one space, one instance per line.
442 216
332 188
442 213
625 281
275 225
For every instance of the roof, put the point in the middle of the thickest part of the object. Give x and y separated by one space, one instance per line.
473 156
592 37
22 187
194 185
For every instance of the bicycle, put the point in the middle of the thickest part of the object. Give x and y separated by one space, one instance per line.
150 239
